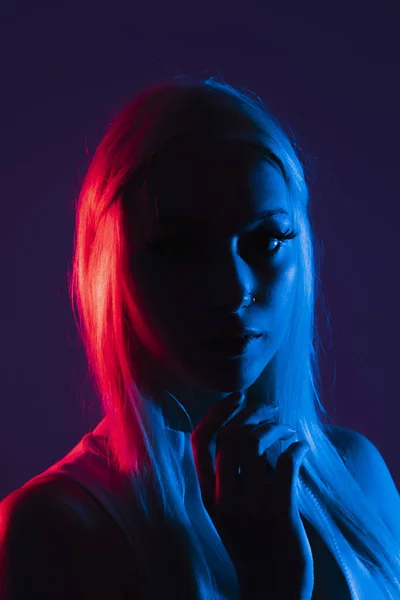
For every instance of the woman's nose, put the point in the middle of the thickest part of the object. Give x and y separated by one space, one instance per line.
233 282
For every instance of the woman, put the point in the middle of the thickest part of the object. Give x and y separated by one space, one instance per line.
194 276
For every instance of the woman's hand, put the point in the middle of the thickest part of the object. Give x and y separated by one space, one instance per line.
255 510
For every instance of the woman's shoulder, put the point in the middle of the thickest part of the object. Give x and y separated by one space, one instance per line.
346 440
43 496
52 525
337 433
370 470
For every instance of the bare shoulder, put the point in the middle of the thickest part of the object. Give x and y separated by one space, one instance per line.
356 447
344 439
370 471
53 526
357 450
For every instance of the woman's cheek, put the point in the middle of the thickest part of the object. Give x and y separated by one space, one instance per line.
281 293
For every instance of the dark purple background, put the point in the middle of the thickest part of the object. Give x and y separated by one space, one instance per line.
330 72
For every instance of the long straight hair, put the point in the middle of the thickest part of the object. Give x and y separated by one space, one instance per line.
164 115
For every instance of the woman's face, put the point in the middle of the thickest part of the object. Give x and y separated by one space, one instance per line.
211 248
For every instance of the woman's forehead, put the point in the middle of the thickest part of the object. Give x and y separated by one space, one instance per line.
216 188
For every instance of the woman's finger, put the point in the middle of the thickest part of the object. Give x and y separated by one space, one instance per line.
200 440
226 473
287 472
244 447
255 467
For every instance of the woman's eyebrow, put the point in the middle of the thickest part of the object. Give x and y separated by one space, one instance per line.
195 221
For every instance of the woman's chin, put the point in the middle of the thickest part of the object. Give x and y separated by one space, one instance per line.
228 379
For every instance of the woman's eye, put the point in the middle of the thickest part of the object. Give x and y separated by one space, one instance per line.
180 246
269 243
264 240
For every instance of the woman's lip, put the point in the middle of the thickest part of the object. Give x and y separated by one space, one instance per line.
230 338
233 346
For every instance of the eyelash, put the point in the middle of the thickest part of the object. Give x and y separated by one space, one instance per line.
282 237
